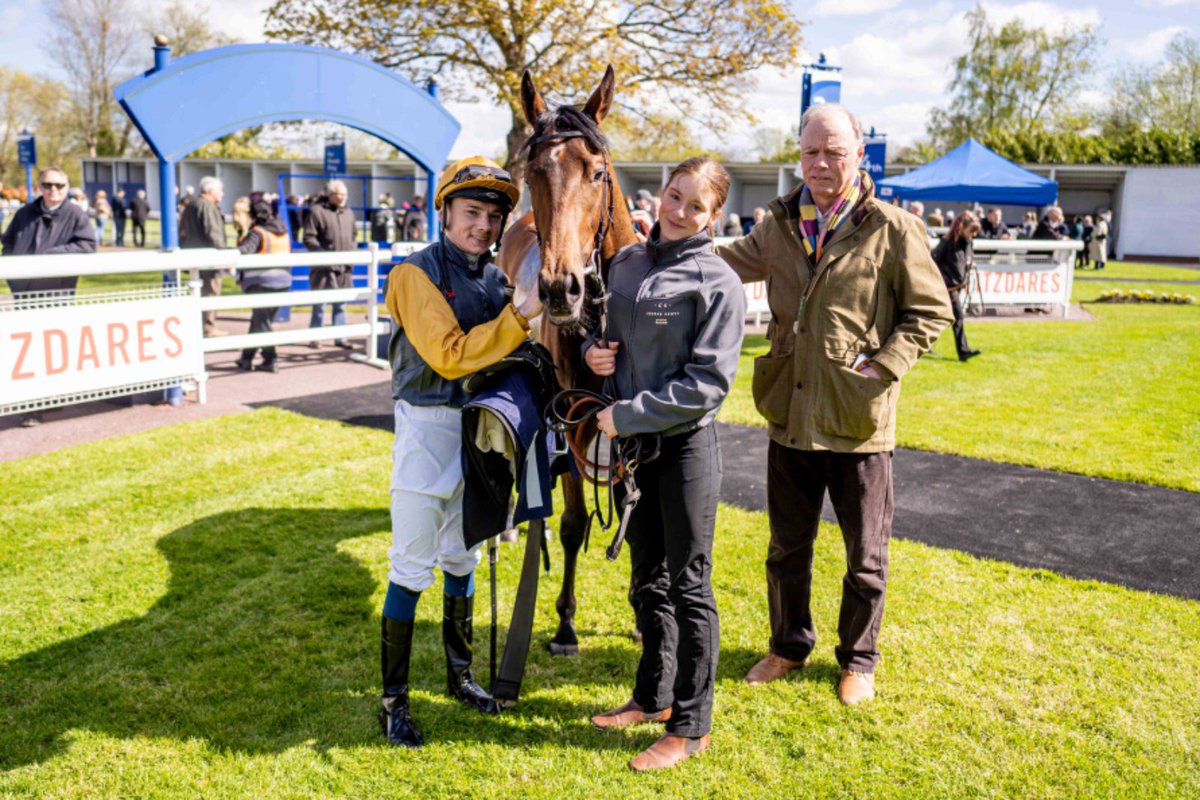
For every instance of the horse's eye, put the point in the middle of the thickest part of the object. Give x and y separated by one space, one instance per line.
599 175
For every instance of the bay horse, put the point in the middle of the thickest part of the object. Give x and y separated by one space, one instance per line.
562 250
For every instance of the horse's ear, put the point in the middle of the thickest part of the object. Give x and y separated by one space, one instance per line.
601 100
531 101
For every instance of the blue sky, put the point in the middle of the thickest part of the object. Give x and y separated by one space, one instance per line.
896 54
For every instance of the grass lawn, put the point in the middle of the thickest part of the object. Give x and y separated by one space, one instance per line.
1115 398
211 630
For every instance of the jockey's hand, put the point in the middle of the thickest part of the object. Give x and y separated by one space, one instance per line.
530 307
642 223
602 359
604 421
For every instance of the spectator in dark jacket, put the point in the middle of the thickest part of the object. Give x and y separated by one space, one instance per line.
992 226
48 226
954 256
266 235
330 226
413 227
120 213
139 212
202 224
1052 225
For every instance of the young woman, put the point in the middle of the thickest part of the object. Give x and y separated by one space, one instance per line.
954 256
103 213
453 317
676 313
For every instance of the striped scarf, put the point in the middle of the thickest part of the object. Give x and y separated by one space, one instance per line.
814 235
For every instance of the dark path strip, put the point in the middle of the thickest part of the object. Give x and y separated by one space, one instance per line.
1130 534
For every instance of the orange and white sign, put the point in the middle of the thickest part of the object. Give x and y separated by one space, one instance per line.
48 352
1026 286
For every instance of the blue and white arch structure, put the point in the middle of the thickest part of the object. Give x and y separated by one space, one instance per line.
182 104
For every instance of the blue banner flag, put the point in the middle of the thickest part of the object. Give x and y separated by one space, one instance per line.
26 150
335 158
874 158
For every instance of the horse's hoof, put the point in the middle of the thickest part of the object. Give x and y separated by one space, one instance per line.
563 649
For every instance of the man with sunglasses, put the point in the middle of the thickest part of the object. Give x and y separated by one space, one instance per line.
453 317
48 226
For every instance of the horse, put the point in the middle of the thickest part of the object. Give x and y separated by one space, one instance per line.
562 249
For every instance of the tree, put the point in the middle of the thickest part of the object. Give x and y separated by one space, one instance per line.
186 26
92 40
43 106
1165 96
652 137
1013 78
697 54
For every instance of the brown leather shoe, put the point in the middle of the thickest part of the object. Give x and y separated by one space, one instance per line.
629 714
668 751
856 687
772 668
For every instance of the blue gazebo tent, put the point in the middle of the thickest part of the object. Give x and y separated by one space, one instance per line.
971 173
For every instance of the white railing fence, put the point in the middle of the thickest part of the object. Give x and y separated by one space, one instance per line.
58 351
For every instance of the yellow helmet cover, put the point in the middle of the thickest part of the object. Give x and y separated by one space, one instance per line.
480 178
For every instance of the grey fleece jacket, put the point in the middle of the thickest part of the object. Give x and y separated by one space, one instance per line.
679 312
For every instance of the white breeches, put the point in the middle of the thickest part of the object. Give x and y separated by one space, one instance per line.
427 491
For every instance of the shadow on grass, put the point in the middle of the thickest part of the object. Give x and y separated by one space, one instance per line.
266 639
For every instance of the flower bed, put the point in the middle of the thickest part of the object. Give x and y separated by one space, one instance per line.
1145 296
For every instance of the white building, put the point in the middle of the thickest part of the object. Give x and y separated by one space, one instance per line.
1156 209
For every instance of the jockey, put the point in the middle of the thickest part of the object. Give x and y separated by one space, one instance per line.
453 317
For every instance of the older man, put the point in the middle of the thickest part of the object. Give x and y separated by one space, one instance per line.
48 226
330 226
855 300
202 224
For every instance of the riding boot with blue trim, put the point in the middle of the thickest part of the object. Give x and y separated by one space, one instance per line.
395 718
457 635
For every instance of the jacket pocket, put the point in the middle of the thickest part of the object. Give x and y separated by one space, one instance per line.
772 387
853 405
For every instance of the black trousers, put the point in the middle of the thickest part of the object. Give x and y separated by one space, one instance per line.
260 322
670 539
958 301
139 234
860 489
119 228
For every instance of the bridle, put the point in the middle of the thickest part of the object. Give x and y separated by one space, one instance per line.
571 410
592 269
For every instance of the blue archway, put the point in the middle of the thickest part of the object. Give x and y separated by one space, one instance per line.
183 104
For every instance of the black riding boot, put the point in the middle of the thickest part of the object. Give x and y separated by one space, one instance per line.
456 634
394 717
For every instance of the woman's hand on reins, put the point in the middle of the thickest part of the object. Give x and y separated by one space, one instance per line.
604 421
602 359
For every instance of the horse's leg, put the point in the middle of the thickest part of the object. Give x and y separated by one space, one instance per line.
573 525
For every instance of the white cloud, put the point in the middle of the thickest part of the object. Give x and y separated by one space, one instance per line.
851 8
242 19
1151 46
1167 3
1044 15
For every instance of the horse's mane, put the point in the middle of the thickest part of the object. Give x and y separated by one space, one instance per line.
568 118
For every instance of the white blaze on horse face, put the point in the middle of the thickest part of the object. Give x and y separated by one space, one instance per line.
526 283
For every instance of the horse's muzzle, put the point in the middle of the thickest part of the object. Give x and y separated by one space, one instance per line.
562 298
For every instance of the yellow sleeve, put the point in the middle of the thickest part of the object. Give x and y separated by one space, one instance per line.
419 307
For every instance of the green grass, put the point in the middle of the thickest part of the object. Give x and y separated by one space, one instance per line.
1133 270
210 629
1115 398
